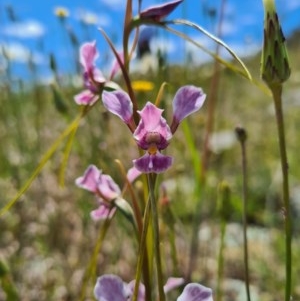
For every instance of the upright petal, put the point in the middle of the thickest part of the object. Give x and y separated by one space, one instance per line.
158 12
118 103
196 292
90 178
88 55
152 121
110 288
157 163
187 100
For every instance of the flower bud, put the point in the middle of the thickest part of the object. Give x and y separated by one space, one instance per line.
275 67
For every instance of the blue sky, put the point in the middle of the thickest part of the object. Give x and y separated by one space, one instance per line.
37 31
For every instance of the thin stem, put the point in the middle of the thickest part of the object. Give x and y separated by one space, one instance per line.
91 270
242 138
221 261
155 224
277 92
141 258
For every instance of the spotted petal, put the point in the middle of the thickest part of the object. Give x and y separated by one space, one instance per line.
196 292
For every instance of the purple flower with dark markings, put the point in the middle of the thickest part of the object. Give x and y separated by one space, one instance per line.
112 288
158 12
153 133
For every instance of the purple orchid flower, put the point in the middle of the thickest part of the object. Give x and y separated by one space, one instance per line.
103 187
111 287
153 133
158 12
105 190
94 81
93 78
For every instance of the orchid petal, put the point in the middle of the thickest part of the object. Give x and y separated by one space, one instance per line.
187 100
86 98
196 292
107 187
132 174
98 76
118 103
141 292
152 121
157 163
158 12
90 178
102 212
110 287
88 55
172 283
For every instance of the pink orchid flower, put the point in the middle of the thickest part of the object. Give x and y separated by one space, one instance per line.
103 187
94 81
153 133
93 78
111 287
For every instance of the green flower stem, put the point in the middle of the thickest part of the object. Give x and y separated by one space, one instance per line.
91 270
277 92
143 258
221 261
155 225
242 137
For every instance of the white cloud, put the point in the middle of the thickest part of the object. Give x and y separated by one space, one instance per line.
19 53
89 17
25 29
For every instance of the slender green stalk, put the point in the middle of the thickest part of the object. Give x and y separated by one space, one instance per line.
91 270
221 261
155 225
141 256
277 92
242 136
